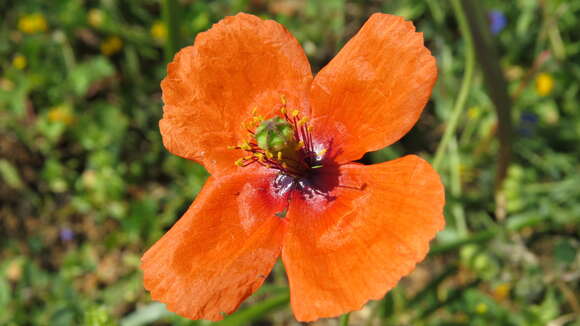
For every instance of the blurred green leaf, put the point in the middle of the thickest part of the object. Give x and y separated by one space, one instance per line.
565 252
85 74
9 174
98 316
146 315
256 311
5 294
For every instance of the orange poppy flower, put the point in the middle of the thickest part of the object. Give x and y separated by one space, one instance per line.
346 232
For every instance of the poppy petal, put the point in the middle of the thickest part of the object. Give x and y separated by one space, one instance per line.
357 244
220 251
374 90
212 87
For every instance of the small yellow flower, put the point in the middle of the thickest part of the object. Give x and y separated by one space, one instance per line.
61 113
111 45
159 31
544 84
481 308
501 291
19 62
32 23
473 112
95 17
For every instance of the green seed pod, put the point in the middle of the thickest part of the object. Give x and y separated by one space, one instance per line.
275 134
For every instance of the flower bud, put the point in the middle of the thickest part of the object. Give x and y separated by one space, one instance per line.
275 135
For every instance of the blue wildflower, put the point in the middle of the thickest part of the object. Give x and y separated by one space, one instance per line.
528 122
66 234
497 21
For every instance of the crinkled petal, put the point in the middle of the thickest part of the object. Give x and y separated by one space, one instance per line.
241 63
220 251
356 244
374 90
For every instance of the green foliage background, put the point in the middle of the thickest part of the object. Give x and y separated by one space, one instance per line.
86 185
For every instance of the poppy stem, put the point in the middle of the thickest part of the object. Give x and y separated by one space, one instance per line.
170 14
455 188
344 319
496 85
465 84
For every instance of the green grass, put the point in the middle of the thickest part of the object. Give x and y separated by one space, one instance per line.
86 185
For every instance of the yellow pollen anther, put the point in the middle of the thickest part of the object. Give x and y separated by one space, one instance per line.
254 110
300 145
239 162
295 113
283 99
279 156
268 154
258 119
245 146
302 121
309 128
232 147
322 152
283 110
259 156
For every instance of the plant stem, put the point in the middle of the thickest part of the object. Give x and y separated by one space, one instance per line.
344 319
171 19
257 311
465 83
455 187
495 82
